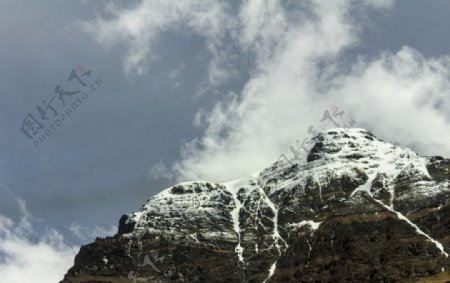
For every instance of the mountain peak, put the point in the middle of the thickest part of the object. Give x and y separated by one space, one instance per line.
349 206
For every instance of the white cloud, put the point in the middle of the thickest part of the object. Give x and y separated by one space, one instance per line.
404 97
23 208
285 94
141 26
160 171
22 259
298 50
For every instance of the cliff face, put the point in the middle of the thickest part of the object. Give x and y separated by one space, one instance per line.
351 209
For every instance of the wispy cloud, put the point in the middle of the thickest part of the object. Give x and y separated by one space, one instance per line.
300 66
291 84
22 258
141 26
160 171
404 97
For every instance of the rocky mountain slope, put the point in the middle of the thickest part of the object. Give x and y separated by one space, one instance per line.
351 208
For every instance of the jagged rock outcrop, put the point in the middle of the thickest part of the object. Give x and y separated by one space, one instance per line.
352 209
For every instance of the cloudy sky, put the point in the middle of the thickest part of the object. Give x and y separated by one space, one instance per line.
104 104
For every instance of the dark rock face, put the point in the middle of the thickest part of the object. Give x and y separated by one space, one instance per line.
371 248
126 225
320 148
354 209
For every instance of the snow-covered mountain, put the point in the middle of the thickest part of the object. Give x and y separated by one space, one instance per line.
349 208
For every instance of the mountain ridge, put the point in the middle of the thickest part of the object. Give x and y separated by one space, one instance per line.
350 207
